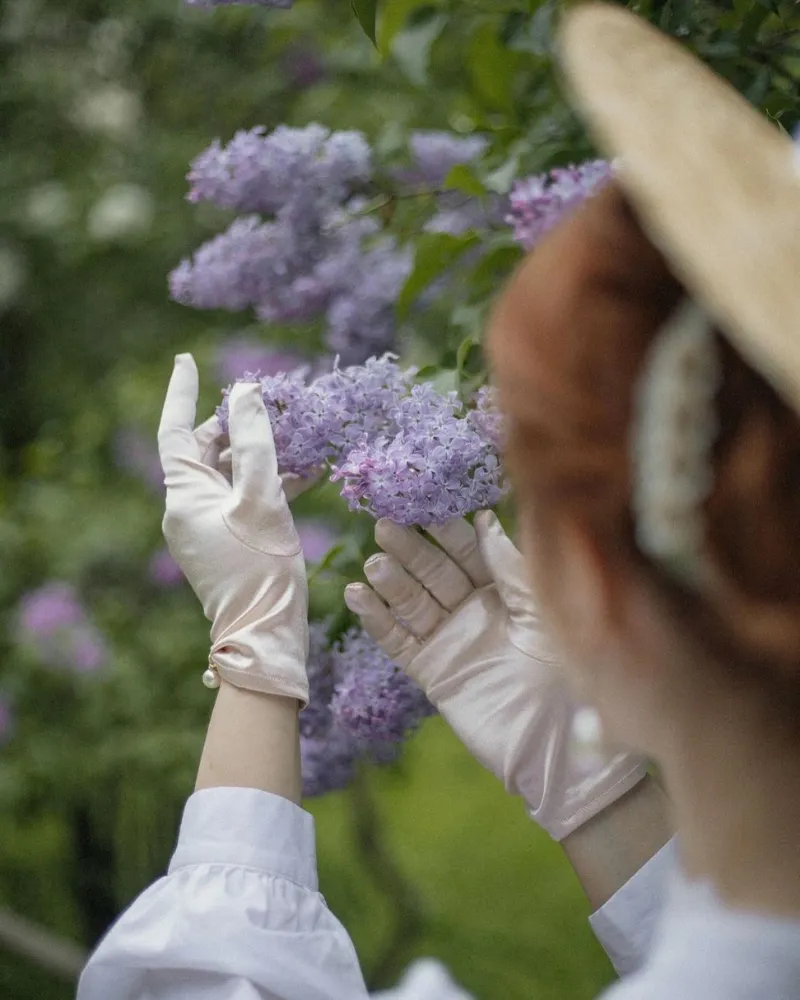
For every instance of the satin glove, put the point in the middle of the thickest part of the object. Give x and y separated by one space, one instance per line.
461 621
235 541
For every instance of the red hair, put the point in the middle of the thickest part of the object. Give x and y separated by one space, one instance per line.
567 343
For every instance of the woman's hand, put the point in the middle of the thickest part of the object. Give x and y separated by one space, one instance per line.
235 540
460 619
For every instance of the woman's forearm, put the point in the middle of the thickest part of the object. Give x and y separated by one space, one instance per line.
608 850
252 742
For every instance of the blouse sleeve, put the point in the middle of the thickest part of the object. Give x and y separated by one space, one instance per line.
238 916
625 925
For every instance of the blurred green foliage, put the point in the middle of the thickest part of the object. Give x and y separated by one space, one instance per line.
103 105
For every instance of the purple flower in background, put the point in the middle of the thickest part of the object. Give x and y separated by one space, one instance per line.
374 701
434 154
303 66
539 203
6 720
51 608
315 719
328 762
85 650
487 418
238 356
361 318
53 622
316 538
163 571
137 454
300 173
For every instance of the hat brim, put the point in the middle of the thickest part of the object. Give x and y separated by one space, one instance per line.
715 185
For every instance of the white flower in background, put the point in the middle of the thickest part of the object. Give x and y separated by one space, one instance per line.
49 206
13 273
124 212
112 111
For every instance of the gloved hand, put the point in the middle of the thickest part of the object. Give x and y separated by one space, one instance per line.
236 543
461 621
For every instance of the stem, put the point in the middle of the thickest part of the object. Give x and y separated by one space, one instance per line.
406 908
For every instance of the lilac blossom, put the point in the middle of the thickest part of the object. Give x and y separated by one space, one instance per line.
434 154
539 203
328 762
240 355
315 719
52 621
361 317
137 454
487 418
361 707
316 422
403 451
163 571
437 466
373 700
316 538
305 170
303 66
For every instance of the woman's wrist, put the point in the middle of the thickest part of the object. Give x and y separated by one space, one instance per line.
615 844
253 741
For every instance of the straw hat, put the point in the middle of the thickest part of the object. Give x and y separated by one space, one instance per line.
716 186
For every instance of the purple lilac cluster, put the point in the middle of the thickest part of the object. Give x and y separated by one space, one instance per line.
373 699
539 203
299 250
52 621
238 355
401 450
434 464
433 156
361 707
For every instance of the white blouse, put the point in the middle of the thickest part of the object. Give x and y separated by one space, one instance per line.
239 917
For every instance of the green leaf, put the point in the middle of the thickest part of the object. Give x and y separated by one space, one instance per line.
500 180
537 35
394 16
435 252
493 68
462 178
751 25
366 12
465 348
411 48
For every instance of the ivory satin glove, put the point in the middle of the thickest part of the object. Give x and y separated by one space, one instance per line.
461 621
235 540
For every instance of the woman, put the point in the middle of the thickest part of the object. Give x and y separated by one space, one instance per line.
239 915
670 550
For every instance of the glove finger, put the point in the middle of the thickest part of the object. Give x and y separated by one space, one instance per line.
407 598
460 541
435 570
377 621
506 564
175 432
208 440
255 466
